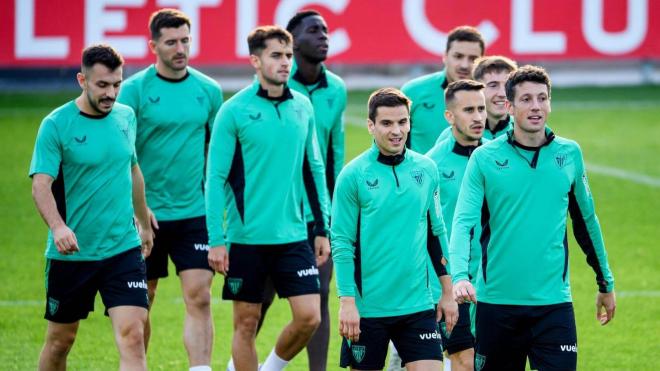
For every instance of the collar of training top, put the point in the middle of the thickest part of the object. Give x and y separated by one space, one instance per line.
393 160
549 137
172 80
94 117
286 94
445 82
464 150
322 80
501 125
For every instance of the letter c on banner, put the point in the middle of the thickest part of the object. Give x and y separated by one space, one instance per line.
338 39
431 39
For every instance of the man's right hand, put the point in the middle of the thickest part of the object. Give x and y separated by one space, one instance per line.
65 240
349 319
464 292
219 259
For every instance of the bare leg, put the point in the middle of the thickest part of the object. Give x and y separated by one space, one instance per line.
306 318
59 340
152 285
243 349
198 324
317 348
128 323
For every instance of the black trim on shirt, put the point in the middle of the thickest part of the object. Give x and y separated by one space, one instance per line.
563 276
286 94
330 169
180 79
501 125
236 180
485 237
357 259
392 160
434 248
321 82
59 193
583 239
313 197
94 117
462 150
549 137
445 83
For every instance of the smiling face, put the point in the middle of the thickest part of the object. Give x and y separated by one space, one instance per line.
273 63
467 115
172 49
100 87
530 107
390 129
311 39
495 95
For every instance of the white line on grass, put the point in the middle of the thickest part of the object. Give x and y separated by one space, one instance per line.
639 294
624 174
39 303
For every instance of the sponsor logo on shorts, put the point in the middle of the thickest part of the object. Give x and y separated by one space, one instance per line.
568 348
201 247
443 328
479 361
430 335
235 285
311 271
53 305
358 352
137 284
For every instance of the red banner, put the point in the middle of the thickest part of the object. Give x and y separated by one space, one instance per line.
52 33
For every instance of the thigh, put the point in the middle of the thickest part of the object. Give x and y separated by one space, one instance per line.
501 341
123 280
416 337
293 270
70 290
461 336
156 262
370 352
247 273
189 246
554 339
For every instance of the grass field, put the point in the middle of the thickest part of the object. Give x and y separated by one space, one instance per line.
618 129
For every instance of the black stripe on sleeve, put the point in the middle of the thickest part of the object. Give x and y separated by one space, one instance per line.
57 187
313 197
583 239
485 238
330 169
434 248
236 180
357 260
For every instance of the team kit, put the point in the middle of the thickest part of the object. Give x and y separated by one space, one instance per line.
447 235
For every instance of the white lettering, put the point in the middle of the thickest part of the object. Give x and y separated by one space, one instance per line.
137 284
523 38
98 20
28 45
312 271
568 348
431 39
614 42
338 38
191 8
202 247
429 336
247 12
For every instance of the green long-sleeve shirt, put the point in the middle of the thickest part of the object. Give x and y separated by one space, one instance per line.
427 112
263 155
528 192
386 223
328 97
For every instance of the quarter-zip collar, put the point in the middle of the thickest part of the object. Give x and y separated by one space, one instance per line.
501 125
462 150
549 137
393 160
320 83
261 92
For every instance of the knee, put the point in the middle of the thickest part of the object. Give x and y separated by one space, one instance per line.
308 321
132 335
246 324
464 359
151 291
61 344
198 298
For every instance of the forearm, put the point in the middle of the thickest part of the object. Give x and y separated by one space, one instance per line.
445 283
45 203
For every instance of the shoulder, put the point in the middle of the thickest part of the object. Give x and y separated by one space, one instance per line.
423 82
440 150
357 165
568 145
123 110
335 80
207 82
490 147
302 100
422 160
137 78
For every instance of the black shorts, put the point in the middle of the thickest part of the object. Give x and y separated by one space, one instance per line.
71 286
415 336
508 334
461 336
291 267
185 241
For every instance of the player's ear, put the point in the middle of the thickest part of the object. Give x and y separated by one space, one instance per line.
81 79
370 126
449 116
152 46
509 107
255 61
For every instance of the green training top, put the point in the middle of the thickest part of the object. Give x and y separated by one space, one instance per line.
528 192
263 151
174 123
501 128
451 158
90 158
385 214
328 97
427 112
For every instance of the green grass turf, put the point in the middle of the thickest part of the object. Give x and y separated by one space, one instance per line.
616 127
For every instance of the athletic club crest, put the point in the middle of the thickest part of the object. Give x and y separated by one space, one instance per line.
479 361
560 159
358 352
418 175
235 285
53 305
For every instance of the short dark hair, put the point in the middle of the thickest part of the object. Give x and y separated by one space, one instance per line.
257 37
103 54
465 33
297 19
490 64
526 73
461 85
386 97
166 18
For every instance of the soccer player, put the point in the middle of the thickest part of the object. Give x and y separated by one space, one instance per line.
386 227
263 157
464 45
492 71
466 113
327 92
87 186
530 179
175 107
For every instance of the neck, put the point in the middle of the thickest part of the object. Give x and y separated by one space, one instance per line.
169 73
492 121
309 71
462 140
529 139
274 90
83 105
